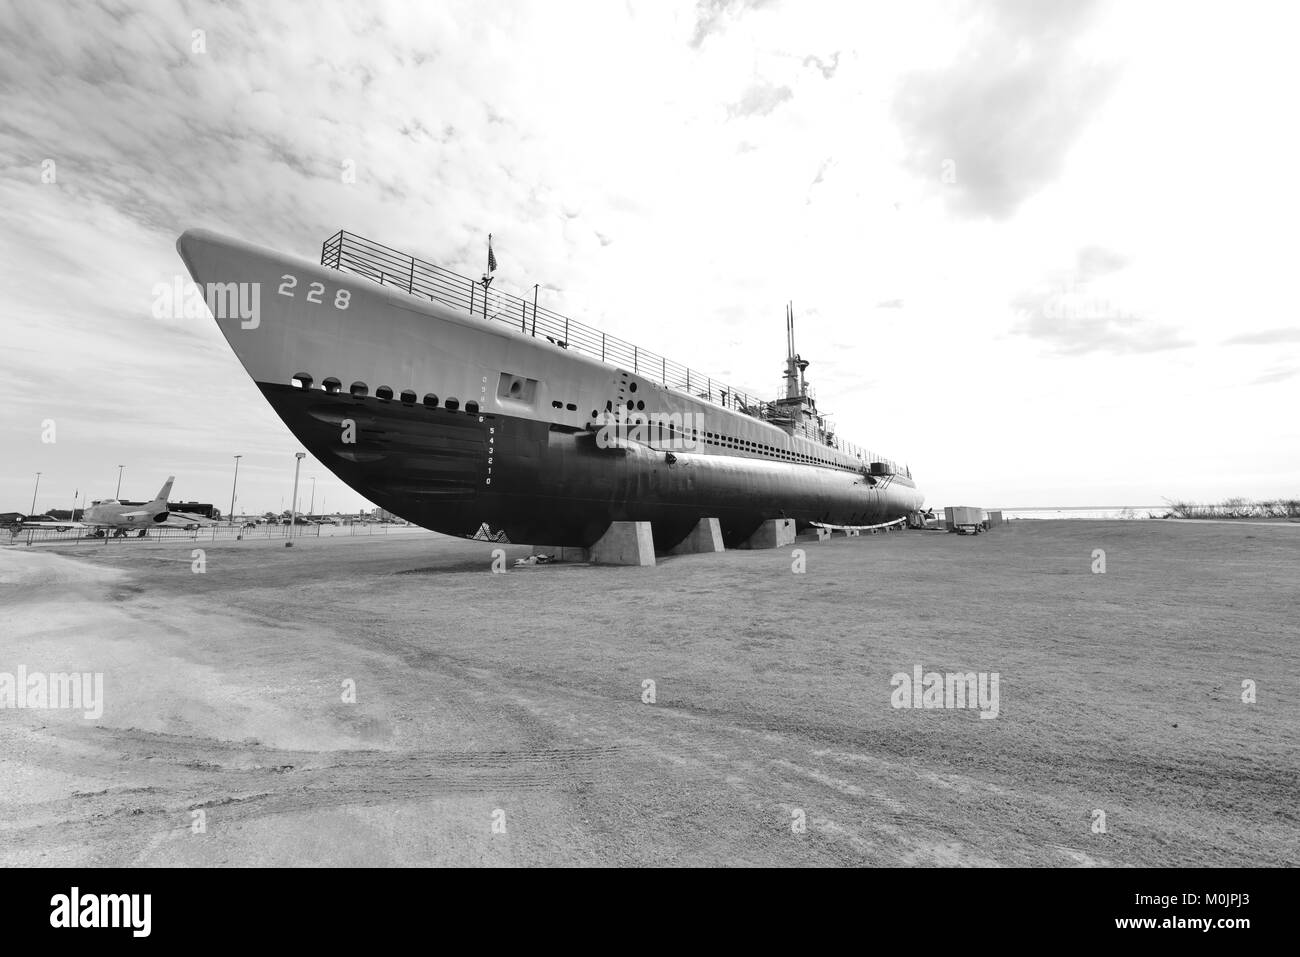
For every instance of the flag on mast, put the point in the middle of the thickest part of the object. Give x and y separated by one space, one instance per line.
492 259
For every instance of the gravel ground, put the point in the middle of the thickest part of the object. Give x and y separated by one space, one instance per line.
516 700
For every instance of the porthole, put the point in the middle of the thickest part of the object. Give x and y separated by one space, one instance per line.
431 401
408 397
452 404
557 404
360 390
301 381
331 385
630 405
571 407
385 393
640 405
471 408
632 387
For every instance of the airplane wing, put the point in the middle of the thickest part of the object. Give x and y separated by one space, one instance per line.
58 525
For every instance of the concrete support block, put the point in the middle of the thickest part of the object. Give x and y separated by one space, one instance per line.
772 534
625 543
706 536
852 533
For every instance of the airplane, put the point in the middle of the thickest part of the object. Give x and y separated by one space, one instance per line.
110 514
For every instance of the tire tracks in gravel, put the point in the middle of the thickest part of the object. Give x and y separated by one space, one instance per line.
249 780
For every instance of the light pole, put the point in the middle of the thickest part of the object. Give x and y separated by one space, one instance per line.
293 505
311 510
232 490
118 494
38 485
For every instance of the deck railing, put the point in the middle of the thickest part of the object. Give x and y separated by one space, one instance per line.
389 267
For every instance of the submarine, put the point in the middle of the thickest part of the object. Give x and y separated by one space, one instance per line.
468 411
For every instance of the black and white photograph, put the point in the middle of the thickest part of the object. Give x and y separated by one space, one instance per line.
650 434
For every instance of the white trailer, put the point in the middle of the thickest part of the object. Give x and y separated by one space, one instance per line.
964 520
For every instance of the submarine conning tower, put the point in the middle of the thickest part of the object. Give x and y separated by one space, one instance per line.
797 413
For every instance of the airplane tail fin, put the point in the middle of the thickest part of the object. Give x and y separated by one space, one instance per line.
165 492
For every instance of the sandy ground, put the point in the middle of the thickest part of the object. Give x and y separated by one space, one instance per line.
517 698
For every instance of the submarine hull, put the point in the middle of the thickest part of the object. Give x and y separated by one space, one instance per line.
453 422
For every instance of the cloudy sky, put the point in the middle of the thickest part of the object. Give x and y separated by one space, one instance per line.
1043 252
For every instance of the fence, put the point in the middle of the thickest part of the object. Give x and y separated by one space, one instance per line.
216 533
387 266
